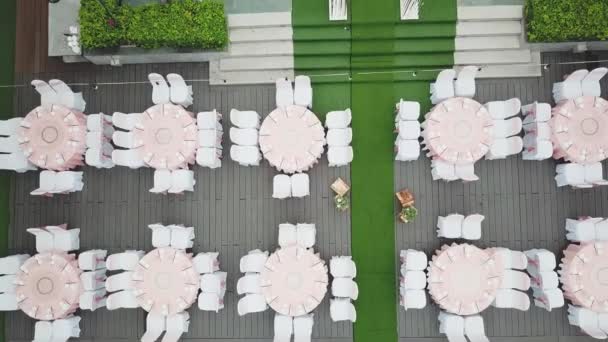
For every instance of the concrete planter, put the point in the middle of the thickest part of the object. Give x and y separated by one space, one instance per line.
134 55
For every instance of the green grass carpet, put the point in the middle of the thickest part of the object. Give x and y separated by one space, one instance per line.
7 68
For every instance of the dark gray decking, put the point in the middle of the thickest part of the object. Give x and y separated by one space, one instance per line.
523 207
231 209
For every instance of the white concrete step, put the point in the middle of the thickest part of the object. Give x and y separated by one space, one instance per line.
487 43
532 69
217 77
492 57
488 28
259 19
260 34
256 63
486 13
269 48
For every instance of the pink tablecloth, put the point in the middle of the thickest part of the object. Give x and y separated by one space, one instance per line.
458 130
294 281
48 286
54 138
463 279
580 130
292 139
165 281
168 137
585 275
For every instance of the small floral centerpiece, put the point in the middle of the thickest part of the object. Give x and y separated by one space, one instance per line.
342 202
408 212
341 199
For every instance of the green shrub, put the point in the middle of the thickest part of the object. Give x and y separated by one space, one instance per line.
566 20
178 24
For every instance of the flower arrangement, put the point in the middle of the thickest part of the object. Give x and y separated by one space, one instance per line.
342 202
341 199
408 212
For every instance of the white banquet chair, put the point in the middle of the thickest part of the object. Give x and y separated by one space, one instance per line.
413 260
245 119
244 136
502 148
302 328
47 183
571 174
281 186
464 86
471 227
161 235
95 140
512 259
450 226
126 261
253 262
407 150
515 280
99 123
341 309
162 181
65 239
474 329
500 110
48 95
590 85
209 120
587 320
302 95
67 97
16 162
125 140
209 157
9 127
413 280
300 185
339 155
251 303
245 155
249 283
182 180
511 299
44 239
11 264
306 234
536 112
541 260
43 331
408 130
549 299
100 158
412 299
155 325
93 280
443 88
8 302
452 326
214 283
125 121
129 158
177 325
9 144
344 288
338 119
93 300
466 172
582 230
571 87
339 136
160 89
120 281
594 174
68 181
206 262
122 300
7 283
284 92
283 328
181 237
210 302
407 110
211 138
545 280
342 267
65 328
443 170
287 235
181 93
506 128
542 150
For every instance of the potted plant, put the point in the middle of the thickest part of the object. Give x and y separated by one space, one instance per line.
408 214
342 202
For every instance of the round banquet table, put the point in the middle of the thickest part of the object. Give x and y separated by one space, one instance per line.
585 275
458 130
167 137
48 286
580 129
463 279
53 138
165 281
294 281
292 139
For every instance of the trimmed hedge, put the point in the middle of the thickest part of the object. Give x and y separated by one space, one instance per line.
566 20
177 24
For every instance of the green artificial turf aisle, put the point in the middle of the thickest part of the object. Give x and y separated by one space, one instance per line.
7 64
374 47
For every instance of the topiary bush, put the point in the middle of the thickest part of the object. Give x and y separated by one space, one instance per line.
178 24
566 20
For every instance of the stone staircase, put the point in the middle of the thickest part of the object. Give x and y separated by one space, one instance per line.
493 37
260 50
